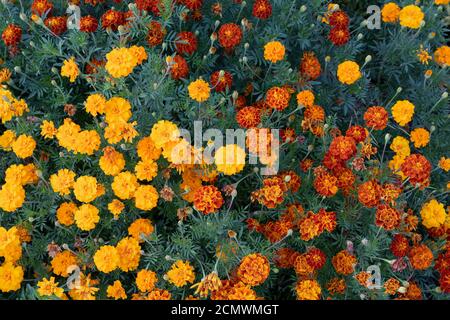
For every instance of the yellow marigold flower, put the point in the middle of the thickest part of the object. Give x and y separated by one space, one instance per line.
400 146
396 163
95 104
124 185
85 189
146 197
87 142
111 162
442 56
48 130
116 109
305 98
444 163
390 12
10 277
116 207
139 53
62 261
106 259
86 217
433 214
274 51
146 280
10 244
411 17
7 139
23 146
181 273
308 290
118 130
20 174
48 287
66 212
420 137
120 62
199 90
146 170
348 72
12 197
129 252
116 291
62 181
164 131
140 228
442 2
5 75
147 150
70 69
423 55
403 112
230 159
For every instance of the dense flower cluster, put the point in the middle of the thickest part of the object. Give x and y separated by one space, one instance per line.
334 155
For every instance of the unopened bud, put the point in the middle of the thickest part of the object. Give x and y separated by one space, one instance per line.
131 6
65 246
287 178
54 70
235 95
244 59
364 242
360 36
53 82
399 89
387 137
401 290
246 45
310 148
216 24
432 129
368 58
445 95
221 73
303 8
327 59
22 16
289 232
17 69
168 258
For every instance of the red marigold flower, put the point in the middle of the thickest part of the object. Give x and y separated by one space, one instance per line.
327 220
358 133
343 147
186 43
326 184
283 257
262 9
346 178
443 261
11 35
253 224
57 25
390 193
291 179
309 227
420 257
310 66
376 118
192 4
316 258
278 98
221 82
369 193
288 135
41 7
112 19
88 24
306 164
208 199
399 246
230 35
152 6
417 168
155 34
387 217
248 117
178 68
339 36
444 281
253 269
339 19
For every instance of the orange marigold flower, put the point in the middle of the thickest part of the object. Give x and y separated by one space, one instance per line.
420 257
253 269
230 35
358 133
417 168
57 25
310 66
62 261
155 34
376 118
146 280
339 36
41 7
336 286
344 262
369 193
88 24
208 199
326 184
308 290
339 19
262 9
387 217
278 98
112 19
181 273
248 117
140 228
11 35
343 147
391 286
302 266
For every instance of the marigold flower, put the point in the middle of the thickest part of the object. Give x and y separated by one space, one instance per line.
444 164
433 214
308 290
339 36
86 217
120 62
62 261
186 43
65 213
163 132
70 69
181 273
344 262
348 72
305 98
253 269
376 118
10 277
199 90
336 286
129 252
278 98
23 146
95 104
417 168
140 228
116 291
146 197
112 19
402 112
155 34
262 9
390 12
310 66
326 184
208 199
400 146
248 117
48 287
41 7
85 189
339 19
369 193
411 17
387 217
106 259
230 35
62 181
230 159
124 185
274 51
420 257
57 25
442 56
11 35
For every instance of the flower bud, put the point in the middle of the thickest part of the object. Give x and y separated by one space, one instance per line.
246 45
387 137
235 95
22 16
432 129
53 82
310 148
17 69
360 36
444 95
168 258
54 70
65 246
216 24
399 89
303 8
327 59
244 59
368 58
